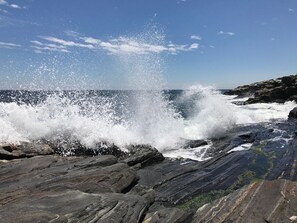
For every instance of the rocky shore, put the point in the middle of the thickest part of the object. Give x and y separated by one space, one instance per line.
277 90
250 176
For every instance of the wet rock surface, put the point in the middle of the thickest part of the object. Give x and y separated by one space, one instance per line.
254 184
275 90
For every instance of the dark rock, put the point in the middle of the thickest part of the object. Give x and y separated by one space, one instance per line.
175 181
293 98
143 154
24 149
293 114
288 80
145 192
265 201
194 143
278 90
100 174
75 148
247 137
75 206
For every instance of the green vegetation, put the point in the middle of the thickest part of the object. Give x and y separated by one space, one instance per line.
262 163
200 200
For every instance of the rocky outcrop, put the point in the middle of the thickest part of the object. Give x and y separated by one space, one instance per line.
263 201
274 90
51 188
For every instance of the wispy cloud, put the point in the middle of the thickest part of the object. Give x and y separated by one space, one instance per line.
72 33
124 45
12 5
291 10
40 47
9 45
66 43
120 45
181 1
226 33
3 10
196 37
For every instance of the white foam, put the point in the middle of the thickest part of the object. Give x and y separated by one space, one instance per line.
215 114
242 147
153 120
198 153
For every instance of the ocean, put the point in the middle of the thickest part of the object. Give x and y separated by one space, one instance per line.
162 119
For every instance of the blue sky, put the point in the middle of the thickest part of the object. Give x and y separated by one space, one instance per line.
220 42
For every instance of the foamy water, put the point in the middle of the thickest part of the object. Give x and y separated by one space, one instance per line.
156 121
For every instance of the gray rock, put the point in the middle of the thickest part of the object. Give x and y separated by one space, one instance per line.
144 155
265 201
167 215
75 206
24 149
52 173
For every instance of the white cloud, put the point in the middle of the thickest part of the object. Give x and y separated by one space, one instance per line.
91 40
291 10
42 47
226 33
131 46
9 45
15 6
3 2
195 37
66 43
72 33
181 1
120 45
3 10
194 46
